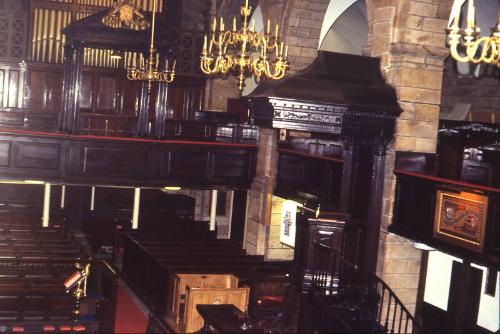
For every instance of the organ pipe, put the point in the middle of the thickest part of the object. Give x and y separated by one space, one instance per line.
47 40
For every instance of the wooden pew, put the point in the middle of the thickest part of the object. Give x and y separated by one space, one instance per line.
149 273
182 281
34 290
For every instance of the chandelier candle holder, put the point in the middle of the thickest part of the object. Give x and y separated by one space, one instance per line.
468 46
149 71
244 51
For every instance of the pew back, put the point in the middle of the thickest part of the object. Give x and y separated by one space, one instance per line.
194 296
182 281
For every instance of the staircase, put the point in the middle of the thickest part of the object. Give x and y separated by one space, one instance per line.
347 300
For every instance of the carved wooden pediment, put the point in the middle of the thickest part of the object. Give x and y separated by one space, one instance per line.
336 94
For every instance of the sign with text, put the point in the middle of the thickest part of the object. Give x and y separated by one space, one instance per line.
288 222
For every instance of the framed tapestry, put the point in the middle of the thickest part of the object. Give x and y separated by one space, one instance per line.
460 218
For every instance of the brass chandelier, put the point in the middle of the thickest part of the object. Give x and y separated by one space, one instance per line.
468 46
149 71
234 51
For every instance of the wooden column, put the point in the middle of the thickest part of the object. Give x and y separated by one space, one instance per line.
73 66
142 121
161 110
347 173
373 221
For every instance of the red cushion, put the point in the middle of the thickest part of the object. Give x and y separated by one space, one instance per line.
49 328
79 328
270 300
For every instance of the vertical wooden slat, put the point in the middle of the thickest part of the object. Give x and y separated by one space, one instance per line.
2 87
21 99
13 88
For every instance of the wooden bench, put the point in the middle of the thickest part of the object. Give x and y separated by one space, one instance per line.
34 290
155 287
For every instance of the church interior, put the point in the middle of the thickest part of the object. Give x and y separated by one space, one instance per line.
260 166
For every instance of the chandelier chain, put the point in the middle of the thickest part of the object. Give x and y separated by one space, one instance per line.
149 71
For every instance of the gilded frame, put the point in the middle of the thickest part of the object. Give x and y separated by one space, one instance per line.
460 219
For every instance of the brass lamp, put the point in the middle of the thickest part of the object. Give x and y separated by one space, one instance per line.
234 51
468 45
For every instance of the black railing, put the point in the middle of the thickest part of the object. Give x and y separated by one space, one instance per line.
348 299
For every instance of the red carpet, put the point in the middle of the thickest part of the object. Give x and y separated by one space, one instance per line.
129 318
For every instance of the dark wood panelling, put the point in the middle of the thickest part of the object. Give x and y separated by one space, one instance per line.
12 86
182 164
115 161
86 93
13 97
45 85
230 163
134 162
306 177
4 153
36 155
414 210
106 97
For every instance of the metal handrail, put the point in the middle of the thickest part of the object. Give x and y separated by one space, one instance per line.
343 285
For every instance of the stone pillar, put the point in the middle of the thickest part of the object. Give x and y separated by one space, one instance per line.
409 36
275 250
259 200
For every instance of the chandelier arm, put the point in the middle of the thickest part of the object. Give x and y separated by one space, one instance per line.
242 44
472 48
455 54
489 49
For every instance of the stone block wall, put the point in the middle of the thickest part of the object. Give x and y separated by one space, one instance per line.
259 198
302 29
483 93
275 250
409 37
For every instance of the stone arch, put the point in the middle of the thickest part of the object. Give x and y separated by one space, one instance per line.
345 27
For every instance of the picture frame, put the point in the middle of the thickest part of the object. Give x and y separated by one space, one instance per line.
460 218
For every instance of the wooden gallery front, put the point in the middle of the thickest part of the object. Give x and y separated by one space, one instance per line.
144 175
